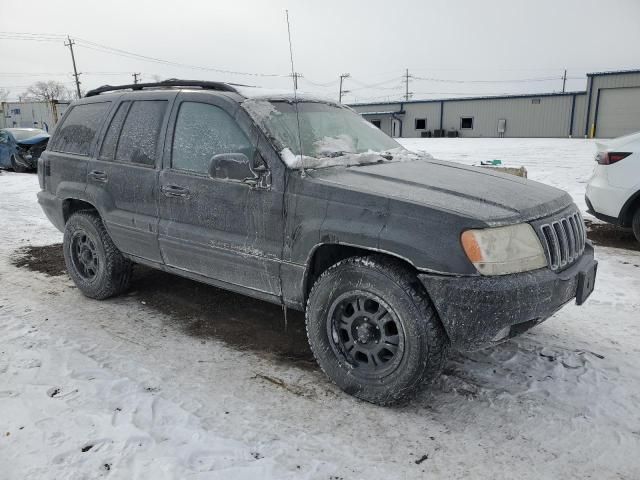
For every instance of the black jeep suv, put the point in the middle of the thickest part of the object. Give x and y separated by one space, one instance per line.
395 257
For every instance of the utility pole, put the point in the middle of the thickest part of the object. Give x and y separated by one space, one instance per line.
135 78
73 59
342 92
407 94
296 76
564 80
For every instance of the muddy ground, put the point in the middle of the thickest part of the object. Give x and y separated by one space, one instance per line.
240 321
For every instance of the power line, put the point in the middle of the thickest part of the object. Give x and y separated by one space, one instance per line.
83 43
519 80
124 53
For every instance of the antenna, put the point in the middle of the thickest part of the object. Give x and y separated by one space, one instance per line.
294 76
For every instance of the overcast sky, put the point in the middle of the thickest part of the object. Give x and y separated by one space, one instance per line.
374 40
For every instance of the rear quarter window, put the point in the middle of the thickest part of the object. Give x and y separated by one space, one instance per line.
79 128
140 133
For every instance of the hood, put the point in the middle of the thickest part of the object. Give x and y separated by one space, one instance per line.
41 137
473 192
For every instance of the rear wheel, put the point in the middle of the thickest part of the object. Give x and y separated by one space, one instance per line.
374 331
94 263
16 166
636 224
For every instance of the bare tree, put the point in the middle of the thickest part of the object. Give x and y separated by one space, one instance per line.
4 94
47 91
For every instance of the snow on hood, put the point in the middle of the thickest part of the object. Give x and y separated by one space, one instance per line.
349 159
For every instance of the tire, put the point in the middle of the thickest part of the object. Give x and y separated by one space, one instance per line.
94 263
359 308
16 166
636 224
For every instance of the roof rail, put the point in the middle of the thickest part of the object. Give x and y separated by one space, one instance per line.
172 82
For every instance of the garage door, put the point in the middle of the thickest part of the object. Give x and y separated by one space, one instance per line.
618 112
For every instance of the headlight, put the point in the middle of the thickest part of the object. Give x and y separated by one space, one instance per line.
504 250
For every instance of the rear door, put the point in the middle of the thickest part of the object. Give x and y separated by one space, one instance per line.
69 150
218 228
123 179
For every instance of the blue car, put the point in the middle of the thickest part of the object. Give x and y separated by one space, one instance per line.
20 148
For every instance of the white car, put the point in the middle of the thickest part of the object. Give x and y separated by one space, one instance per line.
613 192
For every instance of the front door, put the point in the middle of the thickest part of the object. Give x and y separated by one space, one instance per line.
123 179
221 229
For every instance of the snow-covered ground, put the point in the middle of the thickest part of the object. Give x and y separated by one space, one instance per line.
121 389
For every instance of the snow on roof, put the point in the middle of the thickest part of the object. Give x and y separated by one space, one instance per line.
259 93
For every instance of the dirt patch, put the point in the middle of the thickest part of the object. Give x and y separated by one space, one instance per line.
201 310
208 312
48 259
607 235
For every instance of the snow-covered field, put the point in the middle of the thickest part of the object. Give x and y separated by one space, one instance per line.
122 389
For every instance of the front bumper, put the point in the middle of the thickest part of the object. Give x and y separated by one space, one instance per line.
26 160
480 311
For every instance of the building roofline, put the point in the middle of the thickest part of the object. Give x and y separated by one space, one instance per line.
462 99
612 72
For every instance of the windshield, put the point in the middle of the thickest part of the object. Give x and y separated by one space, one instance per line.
329 134
24 133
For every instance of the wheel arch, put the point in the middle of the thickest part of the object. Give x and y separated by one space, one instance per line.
629 209
324 255
73 205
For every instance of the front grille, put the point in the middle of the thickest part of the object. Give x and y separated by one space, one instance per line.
563 239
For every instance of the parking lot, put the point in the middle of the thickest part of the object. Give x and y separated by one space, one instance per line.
181 380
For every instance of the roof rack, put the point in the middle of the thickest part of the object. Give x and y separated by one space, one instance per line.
172 82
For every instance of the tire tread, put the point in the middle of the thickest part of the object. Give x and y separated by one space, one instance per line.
118 269
437 341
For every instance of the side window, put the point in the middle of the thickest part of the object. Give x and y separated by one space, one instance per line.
139 138
110 143
202 131
79 128
4 137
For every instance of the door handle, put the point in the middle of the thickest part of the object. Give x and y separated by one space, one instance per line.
174 191
98 176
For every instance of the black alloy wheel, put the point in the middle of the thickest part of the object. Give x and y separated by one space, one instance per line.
84 255
366 333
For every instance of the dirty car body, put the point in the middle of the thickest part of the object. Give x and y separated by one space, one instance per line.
301 202
22 147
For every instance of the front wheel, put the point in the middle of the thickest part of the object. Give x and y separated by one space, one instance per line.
636 224
374 331
94 263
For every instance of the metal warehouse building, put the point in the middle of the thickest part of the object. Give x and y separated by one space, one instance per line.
609 107
32 114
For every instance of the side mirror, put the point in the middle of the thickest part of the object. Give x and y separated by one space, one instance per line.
231 166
